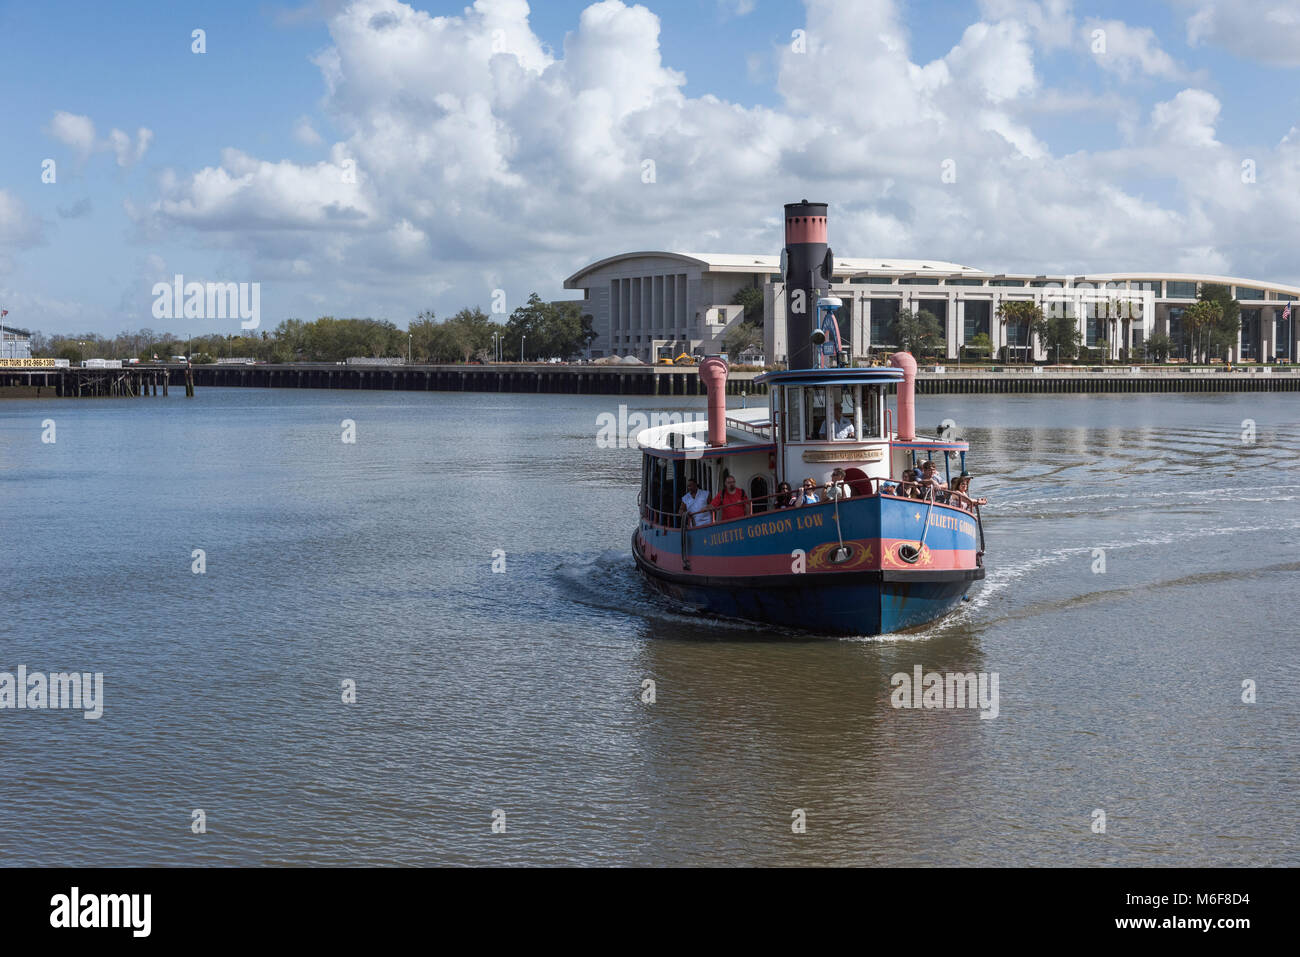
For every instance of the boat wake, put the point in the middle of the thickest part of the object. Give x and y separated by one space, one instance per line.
608 581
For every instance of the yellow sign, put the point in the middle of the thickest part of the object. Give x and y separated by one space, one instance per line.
29 363
843 455
780 526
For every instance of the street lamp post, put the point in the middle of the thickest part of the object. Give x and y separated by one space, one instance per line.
409 337
522 339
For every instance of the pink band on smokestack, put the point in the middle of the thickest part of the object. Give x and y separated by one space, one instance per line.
906 395
805 229
713 371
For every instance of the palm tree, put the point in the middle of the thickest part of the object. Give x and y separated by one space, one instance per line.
1199 319
1027 316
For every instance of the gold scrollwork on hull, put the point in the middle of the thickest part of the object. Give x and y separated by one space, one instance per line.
892 559
860 556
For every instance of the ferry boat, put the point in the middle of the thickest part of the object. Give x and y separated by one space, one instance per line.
876 561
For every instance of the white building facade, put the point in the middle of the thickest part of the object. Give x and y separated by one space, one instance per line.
651 304
15 343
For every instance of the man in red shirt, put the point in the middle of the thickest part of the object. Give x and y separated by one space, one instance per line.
732 501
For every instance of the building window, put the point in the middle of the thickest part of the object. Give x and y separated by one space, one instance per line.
1016 283
965 282
1178 344
939 309
1247 292
871 281
793 420
976 319
1180 290
913 281
1095 328
1250 330
883 314
814 411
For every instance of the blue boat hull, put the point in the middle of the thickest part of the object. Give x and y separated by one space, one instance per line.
866 603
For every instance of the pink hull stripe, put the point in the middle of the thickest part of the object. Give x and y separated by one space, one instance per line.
866 556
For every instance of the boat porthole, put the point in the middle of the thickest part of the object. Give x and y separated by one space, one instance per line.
841 554
909 553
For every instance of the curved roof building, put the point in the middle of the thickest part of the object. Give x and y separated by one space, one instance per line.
650 304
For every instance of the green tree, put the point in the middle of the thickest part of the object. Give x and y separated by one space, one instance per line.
1159 346
333 340
979 345
1199 322
552 329
1026 315
752 300
918 333
469 332
742 336
423 333
1062 337
1224 333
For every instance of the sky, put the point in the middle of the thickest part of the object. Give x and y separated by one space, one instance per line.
376 158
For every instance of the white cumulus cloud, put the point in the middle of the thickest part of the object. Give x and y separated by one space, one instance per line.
1127 50
1259 30
473 157
78 132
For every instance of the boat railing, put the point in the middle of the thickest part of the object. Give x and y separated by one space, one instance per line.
762 431
858 488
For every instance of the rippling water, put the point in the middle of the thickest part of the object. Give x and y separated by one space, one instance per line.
520 691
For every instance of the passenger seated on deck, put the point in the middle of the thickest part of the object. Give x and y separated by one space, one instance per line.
961 490
930 477
911 487
695 505
837 488
731 502
842 427
786 498
808 494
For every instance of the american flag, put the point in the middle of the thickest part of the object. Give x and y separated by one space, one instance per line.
1286 311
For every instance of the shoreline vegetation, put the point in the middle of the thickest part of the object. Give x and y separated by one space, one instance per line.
561 331
542 328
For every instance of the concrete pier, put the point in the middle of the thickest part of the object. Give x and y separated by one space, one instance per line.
548 379
684 381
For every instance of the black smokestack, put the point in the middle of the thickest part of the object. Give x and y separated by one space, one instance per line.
808 268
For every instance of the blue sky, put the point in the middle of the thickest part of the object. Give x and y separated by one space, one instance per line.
508 168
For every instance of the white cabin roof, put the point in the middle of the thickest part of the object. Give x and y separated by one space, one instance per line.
693 435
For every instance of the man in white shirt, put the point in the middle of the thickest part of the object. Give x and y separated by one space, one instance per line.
695 505
843 427
837 488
